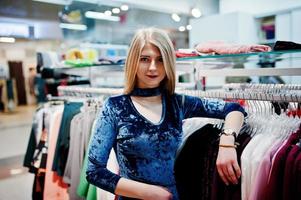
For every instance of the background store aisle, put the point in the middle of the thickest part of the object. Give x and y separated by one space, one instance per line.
15 181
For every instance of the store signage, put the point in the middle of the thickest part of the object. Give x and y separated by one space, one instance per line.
14 29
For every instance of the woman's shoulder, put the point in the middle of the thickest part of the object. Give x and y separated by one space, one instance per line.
184 97
116 99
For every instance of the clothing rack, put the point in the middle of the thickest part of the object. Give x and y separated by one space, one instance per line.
262 92
264 87
245 95
76 91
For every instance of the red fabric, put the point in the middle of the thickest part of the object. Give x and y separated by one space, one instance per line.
294 113
274 188
224 48
241 102
181 55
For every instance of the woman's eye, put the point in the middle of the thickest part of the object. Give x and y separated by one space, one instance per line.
160 59
144 59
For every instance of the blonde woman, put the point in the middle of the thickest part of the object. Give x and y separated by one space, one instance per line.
144 125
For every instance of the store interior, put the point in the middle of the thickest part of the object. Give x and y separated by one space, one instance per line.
50 49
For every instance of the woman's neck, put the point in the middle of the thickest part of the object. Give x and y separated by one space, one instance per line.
147 92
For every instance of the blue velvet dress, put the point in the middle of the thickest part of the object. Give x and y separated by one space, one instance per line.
145 151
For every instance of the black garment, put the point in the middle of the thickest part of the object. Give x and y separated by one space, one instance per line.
39 180
286 45
38 186
34 146
38 164
231 192
16 73
1 103
195 164
196 174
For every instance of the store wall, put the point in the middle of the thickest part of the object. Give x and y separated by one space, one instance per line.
258 7
43 29
231 27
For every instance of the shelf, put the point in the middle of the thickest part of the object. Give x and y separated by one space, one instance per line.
210 65
241 56
251 72
246 64
89 71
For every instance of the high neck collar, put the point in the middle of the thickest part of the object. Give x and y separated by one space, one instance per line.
146 92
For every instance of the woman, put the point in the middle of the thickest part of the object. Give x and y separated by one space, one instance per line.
144 125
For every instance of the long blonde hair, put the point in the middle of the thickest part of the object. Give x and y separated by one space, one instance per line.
160 39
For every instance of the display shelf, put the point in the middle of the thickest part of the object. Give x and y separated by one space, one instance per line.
251 72
241 56
249 64
209 65
88 71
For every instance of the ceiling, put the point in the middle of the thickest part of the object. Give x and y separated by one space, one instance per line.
29 9
49 11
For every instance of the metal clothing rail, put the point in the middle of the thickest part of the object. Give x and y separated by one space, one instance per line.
249 94
264 87
250 72
76 91
246 95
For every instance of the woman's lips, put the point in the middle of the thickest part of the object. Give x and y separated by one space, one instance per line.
152 76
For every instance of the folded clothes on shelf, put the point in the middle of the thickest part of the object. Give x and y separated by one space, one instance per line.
220 47
286 45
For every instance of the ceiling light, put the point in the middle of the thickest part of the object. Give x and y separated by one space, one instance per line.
80 27
101 16
116 10
59 2
108 13
196 12
124 7
188 27
182 28
175 17
7 39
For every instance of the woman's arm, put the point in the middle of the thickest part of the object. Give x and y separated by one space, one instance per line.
227 164
134 189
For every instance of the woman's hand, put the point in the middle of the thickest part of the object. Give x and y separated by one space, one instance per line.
226 163
158 193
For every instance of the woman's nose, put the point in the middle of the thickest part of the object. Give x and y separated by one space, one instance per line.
152 65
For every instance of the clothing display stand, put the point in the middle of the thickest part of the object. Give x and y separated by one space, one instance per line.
262 92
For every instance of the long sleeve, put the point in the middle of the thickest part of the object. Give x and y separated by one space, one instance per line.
103 140
212 108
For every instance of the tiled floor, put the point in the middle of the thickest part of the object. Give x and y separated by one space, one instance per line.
15 182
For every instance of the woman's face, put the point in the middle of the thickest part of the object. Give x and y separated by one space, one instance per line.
150 68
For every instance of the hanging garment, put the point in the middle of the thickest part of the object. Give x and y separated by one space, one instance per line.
264 169
290 183
274 189
220 191
35 134
54 188
80 130
62 146
195 167
195 164
39 162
